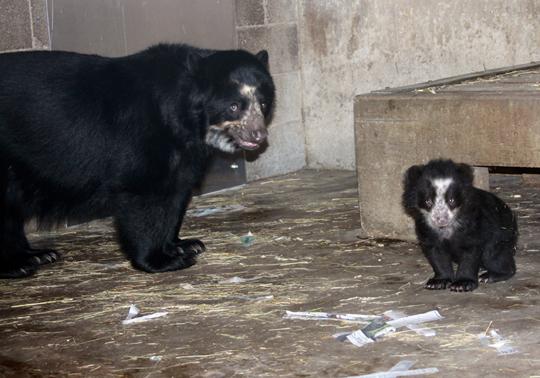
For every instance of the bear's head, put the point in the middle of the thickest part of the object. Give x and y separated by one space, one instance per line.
240 99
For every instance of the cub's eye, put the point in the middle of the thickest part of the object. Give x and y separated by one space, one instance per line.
234 107
451 201
428 203
263 105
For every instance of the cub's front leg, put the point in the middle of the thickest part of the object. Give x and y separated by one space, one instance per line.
467 271
441 264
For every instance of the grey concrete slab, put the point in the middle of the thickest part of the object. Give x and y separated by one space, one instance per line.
395 130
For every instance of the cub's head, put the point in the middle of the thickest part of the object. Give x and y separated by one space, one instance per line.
240 99
437 191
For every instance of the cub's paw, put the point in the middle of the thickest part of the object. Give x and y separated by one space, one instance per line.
438 283
190 247
463 285
43 256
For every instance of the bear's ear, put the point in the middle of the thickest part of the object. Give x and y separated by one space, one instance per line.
466 174
193 61
262 56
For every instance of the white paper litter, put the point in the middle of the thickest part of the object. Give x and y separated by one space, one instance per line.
132 316
401 369
416 319
235 279
496 341
132 312
424 331
377 326
203 212
368 334
359 339
329 316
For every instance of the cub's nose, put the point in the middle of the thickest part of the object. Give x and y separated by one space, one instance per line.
441 220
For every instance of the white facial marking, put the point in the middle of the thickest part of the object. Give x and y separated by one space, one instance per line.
440 217
248 90
441 186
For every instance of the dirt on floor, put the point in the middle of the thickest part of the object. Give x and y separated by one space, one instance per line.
225 314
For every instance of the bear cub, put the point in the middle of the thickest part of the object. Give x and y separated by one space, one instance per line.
458 223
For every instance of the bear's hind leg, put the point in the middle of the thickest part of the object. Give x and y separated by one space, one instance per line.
499 262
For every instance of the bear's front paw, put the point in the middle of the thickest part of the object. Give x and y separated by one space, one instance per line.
190 247
24 263
463 285
178 255
438 283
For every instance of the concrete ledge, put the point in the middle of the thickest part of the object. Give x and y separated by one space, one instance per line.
481 127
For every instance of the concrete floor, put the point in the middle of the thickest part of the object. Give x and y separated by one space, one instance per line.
307 256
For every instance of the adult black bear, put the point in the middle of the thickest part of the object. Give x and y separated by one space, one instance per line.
84 136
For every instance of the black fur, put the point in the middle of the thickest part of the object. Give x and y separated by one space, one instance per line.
483 233
84 136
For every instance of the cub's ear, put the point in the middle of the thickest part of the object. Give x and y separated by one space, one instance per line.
410 179
466 173
263 57
410 189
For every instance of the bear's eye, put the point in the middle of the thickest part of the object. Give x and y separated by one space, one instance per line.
429 203
234 107
263 105
452 202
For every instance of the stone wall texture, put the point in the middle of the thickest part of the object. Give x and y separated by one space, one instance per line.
272 25
23 25
353 47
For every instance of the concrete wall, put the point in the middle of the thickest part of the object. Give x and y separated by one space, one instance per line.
352 47
322 52
23 25
120 27
272 25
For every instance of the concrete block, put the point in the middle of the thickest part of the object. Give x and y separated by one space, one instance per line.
531 178
15 27
481 178
249 12
281 41
279 11
399 128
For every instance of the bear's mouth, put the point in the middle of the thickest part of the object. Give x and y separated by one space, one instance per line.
246 144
